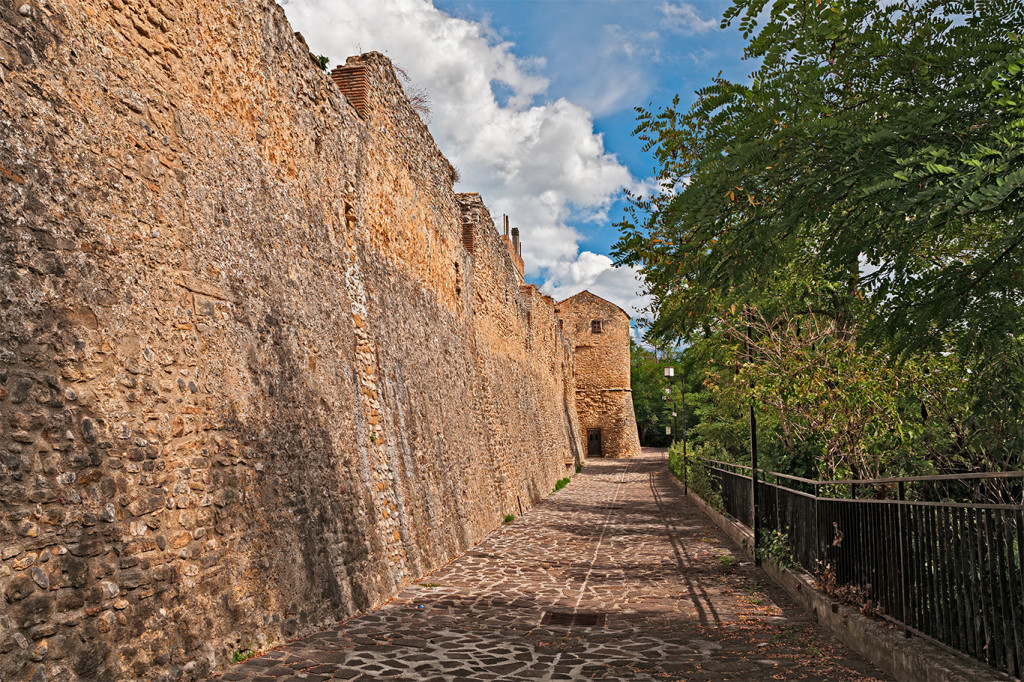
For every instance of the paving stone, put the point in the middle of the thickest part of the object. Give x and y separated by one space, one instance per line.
620 540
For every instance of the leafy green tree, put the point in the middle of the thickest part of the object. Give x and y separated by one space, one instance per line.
827 406
655 398
878 146
645 378
867 417
871 172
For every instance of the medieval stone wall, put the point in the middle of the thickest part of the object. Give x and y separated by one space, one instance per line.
603 396
251 379
520 351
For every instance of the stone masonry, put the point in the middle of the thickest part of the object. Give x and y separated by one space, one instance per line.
599 331
260 366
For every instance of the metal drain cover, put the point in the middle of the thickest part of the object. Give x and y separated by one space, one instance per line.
583 620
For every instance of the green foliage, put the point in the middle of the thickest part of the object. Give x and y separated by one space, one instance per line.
696 476
675 460
872 133
323 61
865 188
846 405
656 397
774 547
719 410
579 468
648 383
827 407
561 483
727 561
509 518
243 654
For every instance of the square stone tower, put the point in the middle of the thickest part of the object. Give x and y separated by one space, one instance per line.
599 332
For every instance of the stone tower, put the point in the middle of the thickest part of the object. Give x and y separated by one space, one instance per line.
599 331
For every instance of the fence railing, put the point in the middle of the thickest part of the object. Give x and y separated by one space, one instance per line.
946 568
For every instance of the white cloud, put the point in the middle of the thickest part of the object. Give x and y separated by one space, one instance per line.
632 43
536 159
596 273
614 72
683 18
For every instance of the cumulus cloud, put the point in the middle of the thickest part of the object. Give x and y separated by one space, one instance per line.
683 18
532 157
596 273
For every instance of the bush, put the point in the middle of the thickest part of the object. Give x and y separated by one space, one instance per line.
696 476
774 547
561 484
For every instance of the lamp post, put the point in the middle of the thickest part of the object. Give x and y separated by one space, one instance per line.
670 373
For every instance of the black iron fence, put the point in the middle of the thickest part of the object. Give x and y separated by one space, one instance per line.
947 568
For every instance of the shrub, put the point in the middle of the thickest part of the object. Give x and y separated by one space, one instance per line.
774 546
697 476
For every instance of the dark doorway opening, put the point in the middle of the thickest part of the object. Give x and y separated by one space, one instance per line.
594 443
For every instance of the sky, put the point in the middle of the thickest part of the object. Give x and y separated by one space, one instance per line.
533 102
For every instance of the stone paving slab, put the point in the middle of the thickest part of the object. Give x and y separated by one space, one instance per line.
679 602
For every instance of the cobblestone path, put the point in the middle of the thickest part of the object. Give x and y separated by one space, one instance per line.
679 602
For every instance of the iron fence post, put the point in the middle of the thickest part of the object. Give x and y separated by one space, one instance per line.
754 497
686 485
755 525
817 537
902 558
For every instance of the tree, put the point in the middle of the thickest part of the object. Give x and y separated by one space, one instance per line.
655 398
878 146
870 172
647 384
866 417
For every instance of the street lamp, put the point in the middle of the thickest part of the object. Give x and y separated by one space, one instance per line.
670 373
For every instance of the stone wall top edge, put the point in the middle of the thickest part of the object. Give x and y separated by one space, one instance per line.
387 76
474 208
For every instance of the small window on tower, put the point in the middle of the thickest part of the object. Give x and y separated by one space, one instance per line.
595 326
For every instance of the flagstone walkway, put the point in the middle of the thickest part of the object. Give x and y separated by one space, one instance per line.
619 544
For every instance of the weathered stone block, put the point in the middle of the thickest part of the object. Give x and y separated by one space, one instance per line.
32 611
147 504
20 587
89 548
76 571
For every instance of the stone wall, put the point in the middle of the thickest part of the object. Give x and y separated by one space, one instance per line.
599 331
251 379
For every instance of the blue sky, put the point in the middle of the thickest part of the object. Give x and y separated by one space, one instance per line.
533 101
